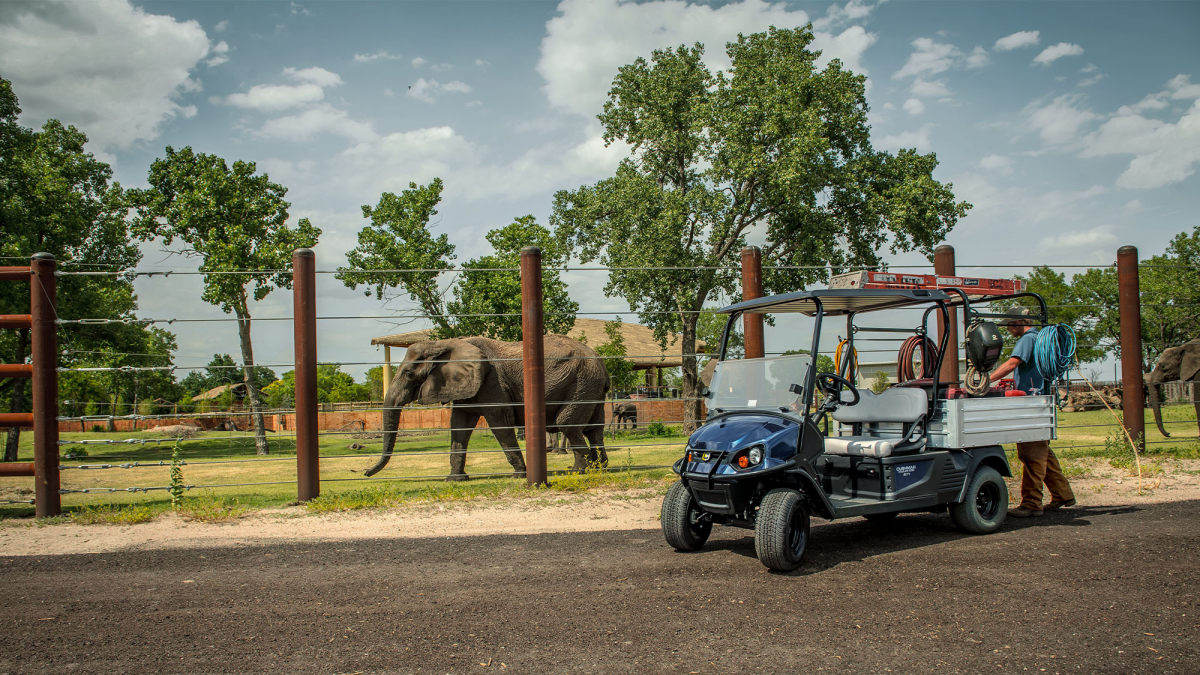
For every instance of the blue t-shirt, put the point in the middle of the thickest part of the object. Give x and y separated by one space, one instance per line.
1026 377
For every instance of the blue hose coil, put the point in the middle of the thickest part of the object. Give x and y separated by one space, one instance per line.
1054 351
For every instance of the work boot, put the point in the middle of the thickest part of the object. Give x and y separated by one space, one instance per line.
1024 512
1055 504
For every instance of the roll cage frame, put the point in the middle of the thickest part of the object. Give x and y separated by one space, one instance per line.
941 300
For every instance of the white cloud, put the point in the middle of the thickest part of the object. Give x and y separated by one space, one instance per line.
928 57
299 10
75 62
418 62
888 106
1089 68
978 58
1091 80
221 26
320 119
381 54
273 96
388 92
1132 206
1053 53
1097 237
840 15
441 67
482 64
997 164
220 54
936 88
913 106
427 90
1163 152
590 39
1026 38
1060 120
314 75
918 139
473 104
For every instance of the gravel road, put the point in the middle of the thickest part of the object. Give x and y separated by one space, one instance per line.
1088 590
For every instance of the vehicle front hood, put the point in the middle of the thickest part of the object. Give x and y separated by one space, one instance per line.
736 431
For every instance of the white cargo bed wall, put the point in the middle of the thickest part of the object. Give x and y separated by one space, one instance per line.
975 422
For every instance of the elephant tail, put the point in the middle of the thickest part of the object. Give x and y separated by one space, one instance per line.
391 422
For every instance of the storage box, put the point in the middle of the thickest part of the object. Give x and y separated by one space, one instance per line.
975 422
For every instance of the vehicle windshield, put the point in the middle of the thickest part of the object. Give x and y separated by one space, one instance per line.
760 383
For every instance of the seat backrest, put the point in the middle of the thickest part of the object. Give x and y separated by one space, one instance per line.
898 404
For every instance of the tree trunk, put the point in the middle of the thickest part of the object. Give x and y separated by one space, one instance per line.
691 391
260 433
13 441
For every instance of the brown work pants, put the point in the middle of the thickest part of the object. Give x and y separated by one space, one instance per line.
1041 466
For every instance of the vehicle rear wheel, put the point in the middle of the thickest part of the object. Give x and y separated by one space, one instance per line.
781 531
683 523
984 504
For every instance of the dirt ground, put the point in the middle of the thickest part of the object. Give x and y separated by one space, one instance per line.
587 585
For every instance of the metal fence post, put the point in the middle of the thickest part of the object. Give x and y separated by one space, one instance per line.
533 355
1133 398
943 266
752 324
304 294
43 338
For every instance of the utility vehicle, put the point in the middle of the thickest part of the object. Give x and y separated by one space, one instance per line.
782 441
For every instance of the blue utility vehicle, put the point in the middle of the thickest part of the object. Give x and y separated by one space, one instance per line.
783 442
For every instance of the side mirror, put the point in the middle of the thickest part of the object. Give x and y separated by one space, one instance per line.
796 389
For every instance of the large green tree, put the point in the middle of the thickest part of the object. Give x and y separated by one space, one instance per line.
57 197
398 251
773 147
235 222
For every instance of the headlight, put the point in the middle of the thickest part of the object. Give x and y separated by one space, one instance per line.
748 458
755 454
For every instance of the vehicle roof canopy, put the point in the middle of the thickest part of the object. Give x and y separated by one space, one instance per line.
840 301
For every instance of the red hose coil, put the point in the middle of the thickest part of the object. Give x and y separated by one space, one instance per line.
929 356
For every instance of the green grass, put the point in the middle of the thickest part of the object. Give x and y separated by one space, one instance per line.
1080 446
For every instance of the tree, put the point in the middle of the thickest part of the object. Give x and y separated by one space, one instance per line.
398 251
774 147
711 326
222 370
333 386
1064 305
621 375
236 223
487 298
58 198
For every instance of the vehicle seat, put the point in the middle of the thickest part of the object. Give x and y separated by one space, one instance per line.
899 405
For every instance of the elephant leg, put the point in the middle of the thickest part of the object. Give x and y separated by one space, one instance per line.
557 443
595 437
1195 385
583 456
502 428
462 423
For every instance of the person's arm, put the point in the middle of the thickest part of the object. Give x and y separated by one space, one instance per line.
1006 368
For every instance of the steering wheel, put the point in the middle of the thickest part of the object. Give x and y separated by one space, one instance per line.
832 384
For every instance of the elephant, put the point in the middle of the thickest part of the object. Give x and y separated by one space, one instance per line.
482 377
1176 364
623 413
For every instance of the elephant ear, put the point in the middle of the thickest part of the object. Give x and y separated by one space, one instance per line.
1190 364
455 372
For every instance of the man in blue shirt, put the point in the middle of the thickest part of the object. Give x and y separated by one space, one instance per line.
1040 464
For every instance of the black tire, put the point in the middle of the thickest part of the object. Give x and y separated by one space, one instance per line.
781 531
682 524
882 518
984 505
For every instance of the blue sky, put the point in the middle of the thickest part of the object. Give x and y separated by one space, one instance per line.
1072 127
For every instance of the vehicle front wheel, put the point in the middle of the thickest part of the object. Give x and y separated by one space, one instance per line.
683 523
984 504
781 531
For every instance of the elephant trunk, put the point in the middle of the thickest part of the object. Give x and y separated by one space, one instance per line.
1156 406
391 423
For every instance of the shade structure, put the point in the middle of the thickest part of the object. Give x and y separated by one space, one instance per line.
836 302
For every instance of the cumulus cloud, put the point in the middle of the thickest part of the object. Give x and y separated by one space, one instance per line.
220 54
1163 152
913 106
1026 38
928 58
320 119
221 26
1097 237
74 62
840 15
314 75
590 39
918 139
1087 82
418 62
1053 53
270 97
997 164
978 58
427 90
936 88
1060 120
369 58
